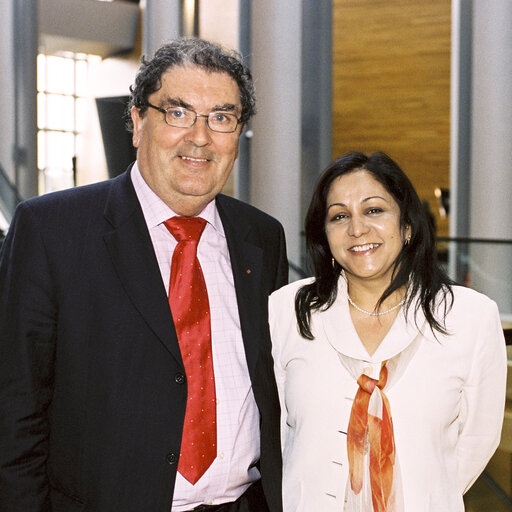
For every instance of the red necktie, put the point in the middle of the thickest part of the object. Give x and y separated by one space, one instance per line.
190 309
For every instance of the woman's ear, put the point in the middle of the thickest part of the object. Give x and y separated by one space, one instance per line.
407 234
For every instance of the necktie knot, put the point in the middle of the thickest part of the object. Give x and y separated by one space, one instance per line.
186 229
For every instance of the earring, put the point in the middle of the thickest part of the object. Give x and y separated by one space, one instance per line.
333 263
407 241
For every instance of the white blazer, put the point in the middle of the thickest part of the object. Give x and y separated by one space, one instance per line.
447 398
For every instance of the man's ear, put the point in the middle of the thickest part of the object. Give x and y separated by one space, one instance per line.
242 128
137 126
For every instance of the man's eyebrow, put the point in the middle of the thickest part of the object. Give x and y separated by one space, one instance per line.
179 102
225 107
176 102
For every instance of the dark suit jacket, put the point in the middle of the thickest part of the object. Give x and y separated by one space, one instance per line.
91 399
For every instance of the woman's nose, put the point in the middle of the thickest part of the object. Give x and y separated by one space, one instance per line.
358 226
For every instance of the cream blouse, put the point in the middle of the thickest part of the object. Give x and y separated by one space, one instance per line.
447 399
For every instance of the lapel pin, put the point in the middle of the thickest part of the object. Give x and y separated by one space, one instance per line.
248 271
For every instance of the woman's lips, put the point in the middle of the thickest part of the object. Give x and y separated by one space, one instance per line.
363 247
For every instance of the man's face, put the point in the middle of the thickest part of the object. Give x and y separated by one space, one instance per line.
187 167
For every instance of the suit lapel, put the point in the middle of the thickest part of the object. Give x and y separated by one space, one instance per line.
131 250
247 265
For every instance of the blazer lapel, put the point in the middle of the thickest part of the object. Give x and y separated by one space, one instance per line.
246 262
131 250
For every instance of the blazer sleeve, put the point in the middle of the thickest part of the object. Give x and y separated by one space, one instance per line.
282 266
276 320
27 345
483 399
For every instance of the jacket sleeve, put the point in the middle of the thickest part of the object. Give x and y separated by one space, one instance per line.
274 317
484 400
27 345
282 266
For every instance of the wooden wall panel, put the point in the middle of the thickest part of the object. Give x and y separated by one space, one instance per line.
391 86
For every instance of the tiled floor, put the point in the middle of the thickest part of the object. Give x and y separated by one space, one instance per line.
483 498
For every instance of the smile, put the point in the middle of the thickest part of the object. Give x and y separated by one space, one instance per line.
365 247
191 159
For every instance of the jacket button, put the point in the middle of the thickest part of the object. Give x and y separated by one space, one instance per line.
179 378
171 458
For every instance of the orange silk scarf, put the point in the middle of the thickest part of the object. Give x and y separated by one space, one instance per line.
370 429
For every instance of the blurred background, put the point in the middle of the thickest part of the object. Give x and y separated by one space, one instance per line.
426 82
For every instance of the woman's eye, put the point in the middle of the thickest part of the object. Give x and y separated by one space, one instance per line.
374 210
338 216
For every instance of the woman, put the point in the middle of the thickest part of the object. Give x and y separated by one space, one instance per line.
391 378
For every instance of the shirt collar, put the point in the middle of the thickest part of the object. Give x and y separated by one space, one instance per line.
339 329
156 211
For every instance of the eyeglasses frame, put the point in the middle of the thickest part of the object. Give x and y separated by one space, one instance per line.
206 116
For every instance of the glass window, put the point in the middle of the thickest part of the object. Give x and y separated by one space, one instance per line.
41 73
41 110
81 114
60 75
60 147
61 113
81 77
41 149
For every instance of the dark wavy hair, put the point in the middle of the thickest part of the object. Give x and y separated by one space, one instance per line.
198 52
416 266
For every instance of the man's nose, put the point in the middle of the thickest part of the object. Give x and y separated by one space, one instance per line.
199 133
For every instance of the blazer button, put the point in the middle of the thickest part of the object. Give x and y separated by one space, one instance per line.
171 458
179 378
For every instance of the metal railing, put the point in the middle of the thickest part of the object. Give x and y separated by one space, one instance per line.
484 264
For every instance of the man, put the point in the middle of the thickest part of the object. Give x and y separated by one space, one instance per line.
107 347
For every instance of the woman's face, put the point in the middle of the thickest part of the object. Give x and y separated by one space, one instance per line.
363 227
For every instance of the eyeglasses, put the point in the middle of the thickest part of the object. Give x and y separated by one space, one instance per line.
180 117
